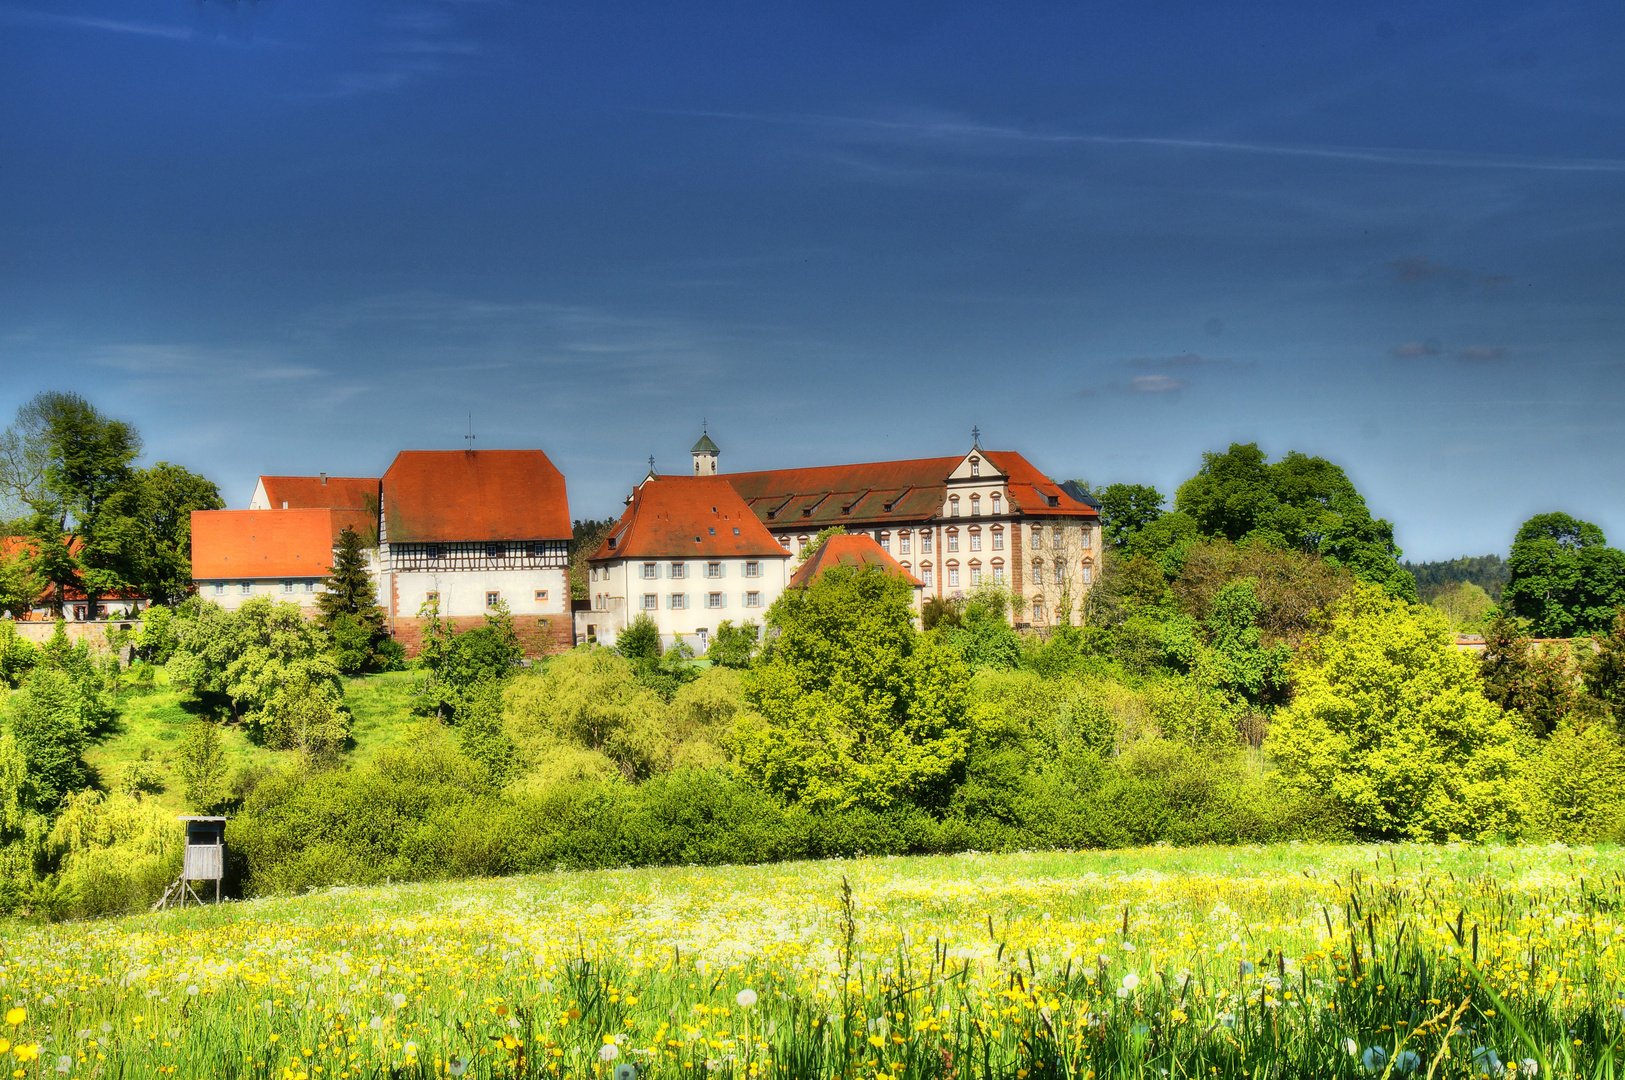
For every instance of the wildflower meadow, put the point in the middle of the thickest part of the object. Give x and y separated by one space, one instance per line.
1237 962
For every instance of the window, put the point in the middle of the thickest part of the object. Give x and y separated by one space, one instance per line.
219 589
712 531
975 467
651 602
310 586
976 539
975 576
245 588
885 541
492 599
541 596
736 530
1055 537
753 569
432 551
998 575
1038 573
677 601
995 499
1038 537
953 540
287 586
1088 574
1038 609
998 539
801 543
676 571
713 569
494 551
649 571
975 506
431 598
753 599
902 543
784 541
925 574
953 506
713 600
925 543
953 577
1088 538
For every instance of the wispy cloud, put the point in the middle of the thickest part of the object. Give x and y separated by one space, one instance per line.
958 131
1156 384
1411 349
87 22
1482 352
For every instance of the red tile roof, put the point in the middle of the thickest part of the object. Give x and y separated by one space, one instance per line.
849 550
914 490
244 544
313 492
435 496
11 546
680 517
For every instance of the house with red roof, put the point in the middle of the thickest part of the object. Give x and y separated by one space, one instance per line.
689 553
462 530
857 550
958 523
74 605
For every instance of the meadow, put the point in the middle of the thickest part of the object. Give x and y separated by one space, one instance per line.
1288 960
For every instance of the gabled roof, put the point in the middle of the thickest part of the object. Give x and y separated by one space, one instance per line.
443 496
880 491
244 544
849 550
682 517
316 492
13 546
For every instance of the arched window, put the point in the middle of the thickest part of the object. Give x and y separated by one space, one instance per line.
976 466
953 506
1038 537
1038 609
975 539
1088 537
998 538
1038 572
975 506
953 575
995 500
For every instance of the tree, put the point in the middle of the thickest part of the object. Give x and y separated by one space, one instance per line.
202 767
1533 683
1565 579
733 645
856 708
24 455
590 709
51 722
349 608
17 656
1578 783
18 589
585 538
1463 605
1603 674
1388 725
1301 503
640 640
147 529
1125 509
459 663
981 632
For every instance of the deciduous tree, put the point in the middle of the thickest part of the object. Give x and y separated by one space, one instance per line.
1565 580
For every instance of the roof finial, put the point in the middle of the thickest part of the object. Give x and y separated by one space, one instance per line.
651 464
468 440
976 436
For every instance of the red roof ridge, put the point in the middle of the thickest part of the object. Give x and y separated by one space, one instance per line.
849 549
672 516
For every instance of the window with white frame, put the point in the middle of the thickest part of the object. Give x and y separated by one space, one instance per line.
713 569
753 599
287 586
678 571
976 539
541 596
492 599
677 601
431 598
650 571
801 543
975 576
925 543
994 498
953 577
903 543
495 551
219 589
651 602
998 575
998 539
1038 537
953 539
713 600
784 542
976 466
1038 573
953 506
245 588
975 506
1088 575
1088 537
310 586
925 574
885 541
753 569
1038 609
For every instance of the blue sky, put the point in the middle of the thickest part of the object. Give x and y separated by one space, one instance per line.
290 236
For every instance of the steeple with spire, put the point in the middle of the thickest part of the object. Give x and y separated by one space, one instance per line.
705 454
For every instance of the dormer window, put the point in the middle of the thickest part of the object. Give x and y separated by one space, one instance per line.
1054 500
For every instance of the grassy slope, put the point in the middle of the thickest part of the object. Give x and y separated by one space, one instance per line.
152 723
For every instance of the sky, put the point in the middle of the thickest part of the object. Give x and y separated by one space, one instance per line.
297 237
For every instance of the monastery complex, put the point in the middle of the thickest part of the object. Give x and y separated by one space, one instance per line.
467 531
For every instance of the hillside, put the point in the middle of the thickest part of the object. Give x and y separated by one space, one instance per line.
1488 572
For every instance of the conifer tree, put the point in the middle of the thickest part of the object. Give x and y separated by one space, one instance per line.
349 607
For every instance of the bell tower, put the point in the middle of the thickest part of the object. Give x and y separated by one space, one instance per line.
705 455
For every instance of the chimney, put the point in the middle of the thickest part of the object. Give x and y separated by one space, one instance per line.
324 479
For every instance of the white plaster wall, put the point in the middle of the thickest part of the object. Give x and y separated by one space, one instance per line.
621 582
462 592
233 597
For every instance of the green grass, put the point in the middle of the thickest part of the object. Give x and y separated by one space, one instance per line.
1159 962
151 724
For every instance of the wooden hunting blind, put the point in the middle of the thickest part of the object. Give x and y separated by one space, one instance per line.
204 859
